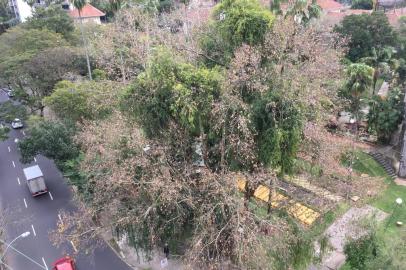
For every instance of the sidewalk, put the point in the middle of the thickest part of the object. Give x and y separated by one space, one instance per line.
137 261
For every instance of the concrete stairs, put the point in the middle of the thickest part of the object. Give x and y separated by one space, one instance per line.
385 163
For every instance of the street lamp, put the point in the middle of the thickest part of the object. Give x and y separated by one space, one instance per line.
23 235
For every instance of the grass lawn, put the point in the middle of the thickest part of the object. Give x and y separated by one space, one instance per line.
364 163
385 201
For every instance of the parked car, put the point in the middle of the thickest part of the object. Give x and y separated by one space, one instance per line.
17 123
10 93
65 263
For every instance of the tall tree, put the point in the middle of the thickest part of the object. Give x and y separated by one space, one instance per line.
365 32
53 18
235 23
33 61
6 15
359 82
79 5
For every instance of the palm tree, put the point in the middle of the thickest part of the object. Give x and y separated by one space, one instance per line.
79 5
360 80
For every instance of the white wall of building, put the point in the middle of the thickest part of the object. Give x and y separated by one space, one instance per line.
24 10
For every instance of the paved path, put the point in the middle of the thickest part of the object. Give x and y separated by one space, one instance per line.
344 228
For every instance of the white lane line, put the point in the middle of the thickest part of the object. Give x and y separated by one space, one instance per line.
18 180
9 150
25 203
24 255
33 230
60 218
43 260
14 165
50 195
35 159
23 133
74 248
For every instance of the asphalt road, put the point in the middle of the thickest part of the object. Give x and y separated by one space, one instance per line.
39 215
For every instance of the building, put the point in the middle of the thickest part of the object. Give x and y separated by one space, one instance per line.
88 14
21 9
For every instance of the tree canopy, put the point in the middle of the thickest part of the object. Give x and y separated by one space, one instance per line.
51 139
235 23
365 32
52 18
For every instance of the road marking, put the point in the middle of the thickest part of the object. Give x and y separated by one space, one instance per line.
22 254
33 230
23 133
35 159
18 180
50 195
43 260
14 165
74 248
25 202
9 150
60 219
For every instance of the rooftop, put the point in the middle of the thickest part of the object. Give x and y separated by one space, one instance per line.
88 11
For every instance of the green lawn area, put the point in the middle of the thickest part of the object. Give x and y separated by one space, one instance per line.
384 201
364 163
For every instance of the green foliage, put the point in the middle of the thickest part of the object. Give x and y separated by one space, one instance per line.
71 170
4 133
235 22
9 111
360 251
19 45
52 18
359 79
172 89
99 74
362 4
6 15
359 82
32 61
33 120
299 252
79 4
302 12
51 139
386 114
278 123
83 100
366 32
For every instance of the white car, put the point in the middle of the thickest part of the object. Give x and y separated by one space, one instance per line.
10 93
17 123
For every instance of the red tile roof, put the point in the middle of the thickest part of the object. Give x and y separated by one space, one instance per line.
329 5
88 11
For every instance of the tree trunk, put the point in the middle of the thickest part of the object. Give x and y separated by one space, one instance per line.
85 46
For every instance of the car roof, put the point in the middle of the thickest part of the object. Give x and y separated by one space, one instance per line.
65 263
64 266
